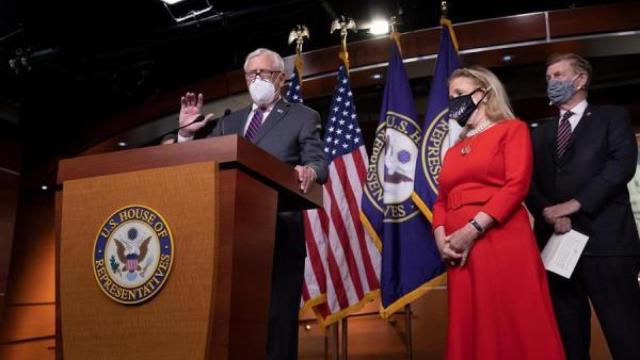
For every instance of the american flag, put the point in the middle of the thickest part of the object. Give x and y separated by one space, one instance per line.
343 262
294 93
314 286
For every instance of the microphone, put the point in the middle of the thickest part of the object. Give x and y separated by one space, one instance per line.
172 131
221 120
198 118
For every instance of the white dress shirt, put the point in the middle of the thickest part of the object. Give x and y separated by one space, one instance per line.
577 111
265 113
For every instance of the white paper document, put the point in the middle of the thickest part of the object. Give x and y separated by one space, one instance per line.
562 252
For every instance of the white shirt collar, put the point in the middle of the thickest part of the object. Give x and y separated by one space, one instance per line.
578 112
265 114
254 106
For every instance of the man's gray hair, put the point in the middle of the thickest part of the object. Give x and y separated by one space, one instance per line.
277 59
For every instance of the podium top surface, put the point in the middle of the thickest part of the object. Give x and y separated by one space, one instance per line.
229 151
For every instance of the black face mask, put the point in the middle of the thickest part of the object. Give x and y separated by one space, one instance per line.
461 107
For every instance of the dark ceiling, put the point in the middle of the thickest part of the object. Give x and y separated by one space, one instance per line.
85 61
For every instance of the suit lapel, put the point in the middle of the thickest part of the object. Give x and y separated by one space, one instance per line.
552 140
238 126
279 111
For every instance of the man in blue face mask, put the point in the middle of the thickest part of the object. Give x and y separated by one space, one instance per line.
292 133
583 160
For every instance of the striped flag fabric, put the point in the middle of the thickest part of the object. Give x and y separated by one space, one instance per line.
335 235
314 285
294 93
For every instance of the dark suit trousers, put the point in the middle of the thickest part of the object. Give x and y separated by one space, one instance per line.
611 283
286 287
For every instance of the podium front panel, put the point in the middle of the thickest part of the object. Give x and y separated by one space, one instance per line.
175 321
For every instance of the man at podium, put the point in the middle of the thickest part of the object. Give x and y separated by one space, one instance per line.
290 132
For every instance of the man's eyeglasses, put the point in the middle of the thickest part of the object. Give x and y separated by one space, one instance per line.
264 74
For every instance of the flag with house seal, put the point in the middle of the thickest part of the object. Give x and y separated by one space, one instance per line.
409 256
439 133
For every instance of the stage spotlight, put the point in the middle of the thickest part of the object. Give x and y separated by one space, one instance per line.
379 27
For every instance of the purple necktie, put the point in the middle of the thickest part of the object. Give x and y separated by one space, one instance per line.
254 125
564 134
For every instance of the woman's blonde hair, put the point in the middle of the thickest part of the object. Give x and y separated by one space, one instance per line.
497 106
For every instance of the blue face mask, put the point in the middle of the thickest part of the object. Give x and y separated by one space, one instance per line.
560 91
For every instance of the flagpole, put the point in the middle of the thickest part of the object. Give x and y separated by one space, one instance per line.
331 343
343 24
408 329
345 338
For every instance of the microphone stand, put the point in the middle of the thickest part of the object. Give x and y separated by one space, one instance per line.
199 118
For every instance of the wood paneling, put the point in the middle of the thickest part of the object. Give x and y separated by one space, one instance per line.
507 30
244 271
28 332
9 185
596 19
28 323
43 349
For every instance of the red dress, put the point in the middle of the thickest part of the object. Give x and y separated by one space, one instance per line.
499 304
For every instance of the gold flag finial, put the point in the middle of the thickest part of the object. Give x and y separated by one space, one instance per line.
394 21
299 34
344 24
444 8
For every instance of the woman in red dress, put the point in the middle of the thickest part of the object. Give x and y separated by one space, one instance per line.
499 304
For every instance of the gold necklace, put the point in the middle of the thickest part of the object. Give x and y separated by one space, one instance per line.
471 134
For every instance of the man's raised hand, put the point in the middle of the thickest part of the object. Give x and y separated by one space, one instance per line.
190 109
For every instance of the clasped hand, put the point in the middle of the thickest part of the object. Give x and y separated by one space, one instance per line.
558 215
455 248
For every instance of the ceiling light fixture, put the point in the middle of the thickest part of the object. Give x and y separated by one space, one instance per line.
183 10
379 27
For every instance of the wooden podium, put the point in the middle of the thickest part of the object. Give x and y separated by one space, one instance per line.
219 198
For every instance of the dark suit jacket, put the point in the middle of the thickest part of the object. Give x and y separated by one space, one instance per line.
599 162
292 133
